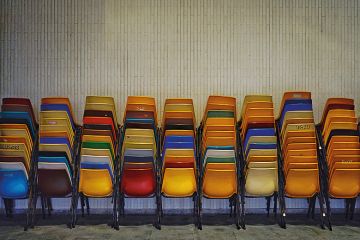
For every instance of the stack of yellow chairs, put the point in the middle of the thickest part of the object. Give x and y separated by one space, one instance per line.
179 171
257 131
98 153
219 169
56 149
178 149
18 137
339 131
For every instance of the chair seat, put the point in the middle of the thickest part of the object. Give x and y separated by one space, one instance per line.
54 182
179 182
13 184
345 183
302 183
95 182
138 182
261 181
219 183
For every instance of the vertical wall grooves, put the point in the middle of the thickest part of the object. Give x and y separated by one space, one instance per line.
170 48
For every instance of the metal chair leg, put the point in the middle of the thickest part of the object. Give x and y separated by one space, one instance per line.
49 206
82 201
352 208
268 199
42 207
87 205
275 204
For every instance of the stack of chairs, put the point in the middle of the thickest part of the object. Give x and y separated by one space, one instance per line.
138 166
98 154
56 157
220 168
340 136
178 154
259 145
18 139
297 136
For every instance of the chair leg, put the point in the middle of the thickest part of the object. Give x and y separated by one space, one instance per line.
6 205
12 205
195 206
33 213
75 206
238 212
347 207
313 202
231 207
43 207
352 208
200 212
49 206
322 212
268 199
87 206
275 203
28 212
82 201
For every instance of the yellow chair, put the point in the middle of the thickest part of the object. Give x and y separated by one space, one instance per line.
219 180
261 181
90 185
179 182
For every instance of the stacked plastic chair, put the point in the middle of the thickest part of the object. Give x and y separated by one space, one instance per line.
300 166
178 154
259 147
340 138
139 155
18 140
57 151
220 167
99 151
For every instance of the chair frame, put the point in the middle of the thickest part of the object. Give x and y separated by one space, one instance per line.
243 164
237 200
321 196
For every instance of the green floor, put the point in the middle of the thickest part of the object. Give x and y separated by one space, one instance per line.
179 227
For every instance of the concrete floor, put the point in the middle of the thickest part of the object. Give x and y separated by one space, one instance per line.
178 227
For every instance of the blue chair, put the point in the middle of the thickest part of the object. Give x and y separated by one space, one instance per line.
260 146
174 138
55 140
13 184
294 107
21 116
258 132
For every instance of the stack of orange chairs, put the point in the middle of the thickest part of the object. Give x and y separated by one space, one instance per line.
340 135
257 131
179 170
220 169
296 131
18 145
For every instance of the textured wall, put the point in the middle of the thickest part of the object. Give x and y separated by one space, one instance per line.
188 48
